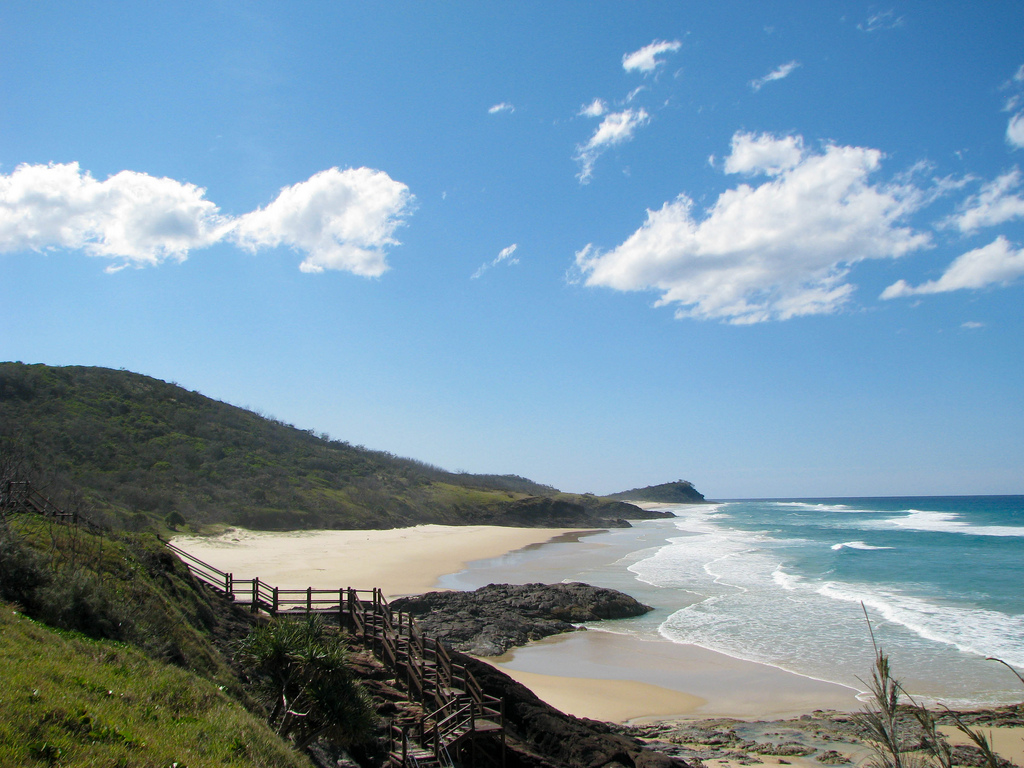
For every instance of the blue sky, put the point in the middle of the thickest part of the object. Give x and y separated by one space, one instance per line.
776 249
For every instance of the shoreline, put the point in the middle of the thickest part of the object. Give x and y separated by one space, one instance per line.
638 683
643 680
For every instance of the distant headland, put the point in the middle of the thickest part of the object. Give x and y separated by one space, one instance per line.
679 492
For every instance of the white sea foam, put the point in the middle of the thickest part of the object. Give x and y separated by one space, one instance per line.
805 506
765 598
789 581
971 630
950 522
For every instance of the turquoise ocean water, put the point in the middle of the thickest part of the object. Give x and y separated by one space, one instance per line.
781 582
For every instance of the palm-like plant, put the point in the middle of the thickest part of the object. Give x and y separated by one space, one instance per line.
302 669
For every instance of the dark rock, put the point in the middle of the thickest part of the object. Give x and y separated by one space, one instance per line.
586 511
536 728
492 619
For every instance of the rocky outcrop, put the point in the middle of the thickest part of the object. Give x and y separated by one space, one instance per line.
586 511
492 619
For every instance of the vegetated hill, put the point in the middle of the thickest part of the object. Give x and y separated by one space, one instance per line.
679 492
142 451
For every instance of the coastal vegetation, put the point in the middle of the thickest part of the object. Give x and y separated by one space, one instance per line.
140 454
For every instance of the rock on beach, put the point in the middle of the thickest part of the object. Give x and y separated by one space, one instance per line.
492 619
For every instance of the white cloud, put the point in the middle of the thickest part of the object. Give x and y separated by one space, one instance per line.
616 128
596 108
1015 131
884 20
505 254
764 154
997 262
340 219
774 251
646 59
131 217
776 74
634 93
993 205
972 325
503 107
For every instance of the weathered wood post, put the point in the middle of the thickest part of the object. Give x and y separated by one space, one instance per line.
256 595
273 611
309 600
229 586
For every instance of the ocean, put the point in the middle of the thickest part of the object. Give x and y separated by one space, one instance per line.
782 582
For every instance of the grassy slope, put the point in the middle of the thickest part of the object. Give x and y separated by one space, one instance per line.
73 701
111 655
124 587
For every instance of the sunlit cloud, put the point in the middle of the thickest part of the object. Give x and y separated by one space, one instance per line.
773 251
504 256
596 108
131 218
337 219
1015 131
776 74
998 263
616 128
765 154
994 204
647 58
340 219
503 107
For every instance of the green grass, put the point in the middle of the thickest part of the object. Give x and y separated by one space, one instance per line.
70 701
125 587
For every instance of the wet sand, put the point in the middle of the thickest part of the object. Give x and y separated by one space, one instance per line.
649 679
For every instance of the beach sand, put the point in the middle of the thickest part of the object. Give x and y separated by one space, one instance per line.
641 680
401 561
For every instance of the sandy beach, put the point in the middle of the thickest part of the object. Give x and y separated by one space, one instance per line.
401 561
596 674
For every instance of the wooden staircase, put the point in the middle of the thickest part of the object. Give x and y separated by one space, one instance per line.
450 711
447 714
